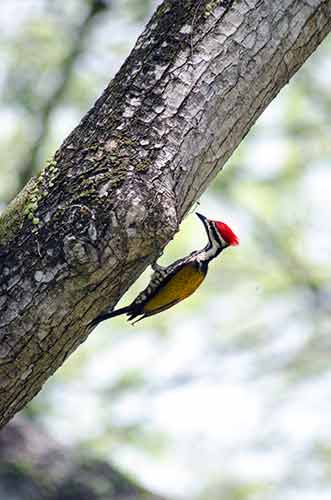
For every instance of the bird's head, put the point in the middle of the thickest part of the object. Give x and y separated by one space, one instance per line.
219 232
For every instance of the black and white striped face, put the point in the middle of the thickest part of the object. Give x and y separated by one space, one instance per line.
214 237
220 236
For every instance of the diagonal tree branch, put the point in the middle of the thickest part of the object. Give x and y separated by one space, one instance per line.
78 236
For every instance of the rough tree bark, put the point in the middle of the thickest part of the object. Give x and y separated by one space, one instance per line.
79 235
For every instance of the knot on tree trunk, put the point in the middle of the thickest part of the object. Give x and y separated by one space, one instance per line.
147 215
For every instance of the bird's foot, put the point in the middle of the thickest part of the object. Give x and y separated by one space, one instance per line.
156 267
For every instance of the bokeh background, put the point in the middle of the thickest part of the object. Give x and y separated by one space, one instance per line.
228 395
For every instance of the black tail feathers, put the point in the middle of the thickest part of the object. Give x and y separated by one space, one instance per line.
107 315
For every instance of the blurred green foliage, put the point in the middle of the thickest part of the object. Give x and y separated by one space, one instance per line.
227 396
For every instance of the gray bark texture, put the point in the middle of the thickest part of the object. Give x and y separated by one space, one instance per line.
103 209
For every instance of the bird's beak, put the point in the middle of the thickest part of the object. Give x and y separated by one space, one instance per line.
201 217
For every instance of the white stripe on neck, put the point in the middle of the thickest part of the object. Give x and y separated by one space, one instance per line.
212 251
215 245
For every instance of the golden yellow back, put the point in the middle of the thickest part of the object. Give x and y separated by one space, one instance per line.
180 286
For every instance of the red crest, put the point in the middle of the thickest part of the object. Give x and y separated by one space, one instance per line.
226 233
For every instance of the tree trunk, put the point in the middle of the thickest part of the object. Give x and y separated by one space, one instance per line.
79 235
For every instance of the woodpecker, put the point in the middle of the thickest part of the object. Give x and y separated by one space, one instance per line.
172 284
